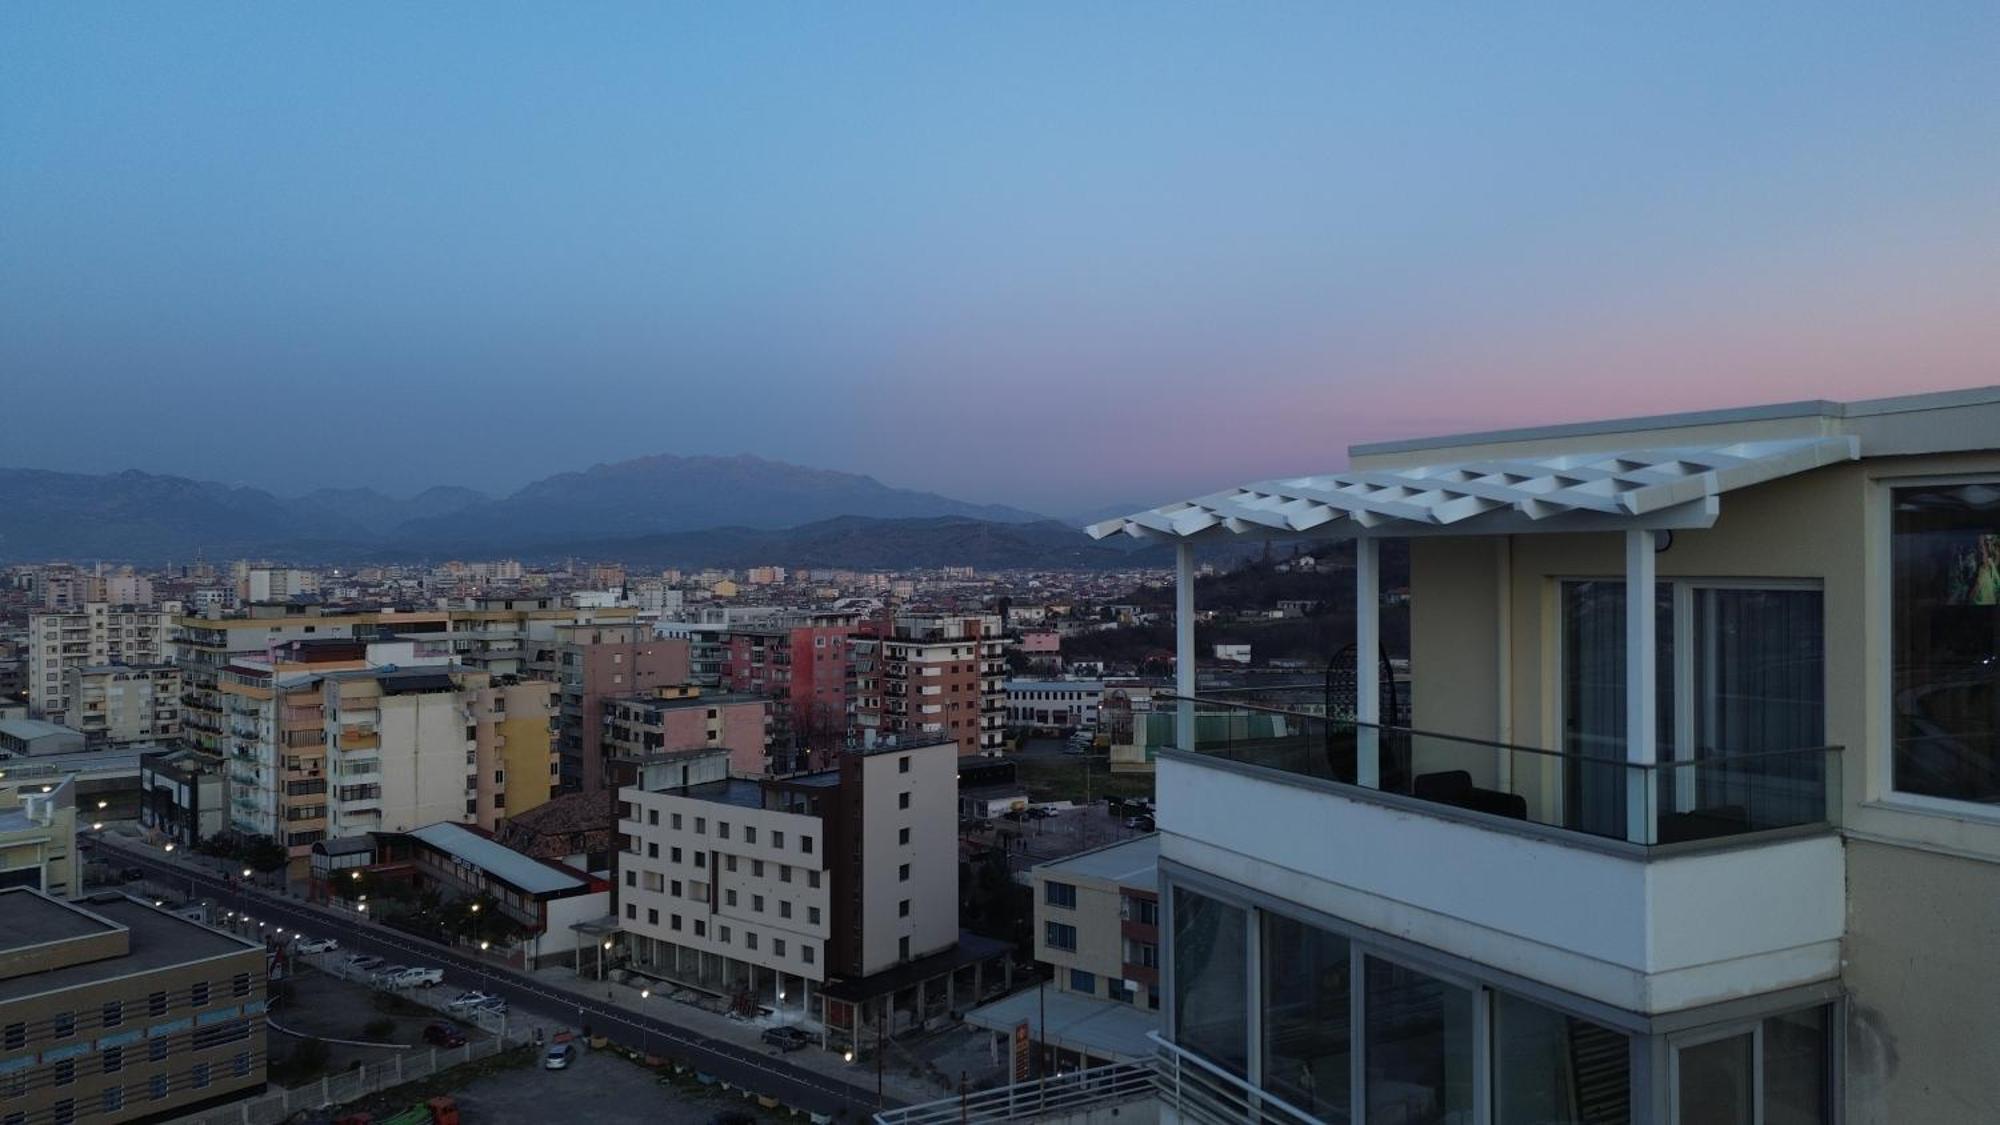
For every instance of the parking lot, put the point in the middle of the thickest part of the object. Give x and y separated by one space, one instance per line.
348 1015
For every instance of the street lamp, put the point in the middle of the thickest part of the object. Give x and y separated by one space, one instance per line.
169 847
104 804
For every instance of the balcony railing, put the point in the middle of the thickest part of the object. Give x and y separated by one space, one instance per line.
1055 1097
1714 794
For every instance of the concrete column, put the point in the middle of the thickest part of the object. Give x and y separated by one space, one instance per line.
1641 683
1184 683
1367 662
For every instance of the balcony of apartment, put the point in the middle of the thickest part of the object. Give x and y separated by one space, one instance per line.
1598 875
358 738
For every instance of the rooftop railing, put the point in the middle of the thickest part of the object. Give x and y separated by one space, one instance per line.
1712 794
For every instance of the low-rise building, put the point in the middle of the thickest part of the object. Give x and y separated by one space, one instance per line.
1053 703
112 1010
28 737
182 795
38 836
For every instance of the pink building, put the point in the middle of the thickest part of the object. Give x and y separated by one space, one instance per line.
686 718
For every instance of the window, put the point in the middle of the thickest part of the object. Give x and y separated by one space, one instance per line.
673 855
199 1074
757 903
1305 999
777 947
1944 630
701 859
903 873
62 1025
240 986
64 1112
700 928
806 953
631 911
114 1012
784 873
749 833
677 822
903 835
653 817
812 878
653 852
1056 935
903 909
777 838
65 1072
701 826
784 908
157 1086
156 1004
1080 981
812 915
722 829
806 844
16 1036
1210 993
749 939
198 994
114 1059
631 878
652 917
241 1064
1059 894
729 898
903 764
674 922
722 934
676 885
729 862
156 1049
757 868
114 1099
903 800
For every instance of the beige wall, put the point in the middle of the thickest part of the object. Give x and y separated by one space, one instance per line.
931 854
1100 945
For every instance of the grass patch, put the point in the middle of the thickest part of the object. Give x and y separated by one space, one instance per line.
1062 779
398 1098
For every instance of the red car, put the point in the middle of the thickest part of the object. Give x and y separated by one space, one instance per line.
443 1035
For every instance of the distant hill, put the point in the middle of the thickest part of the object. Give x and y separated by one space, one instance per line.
860 543
665 493
379 514
147 517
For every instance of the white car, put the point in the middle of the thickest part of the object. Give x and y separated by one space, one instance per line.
417 978
467 1001
559 1056
317 945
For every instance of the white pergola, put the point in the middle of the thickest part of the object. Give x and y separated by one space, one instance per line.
1635 491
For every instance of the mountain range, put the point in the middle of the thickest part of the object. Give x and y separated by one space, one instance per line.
659 510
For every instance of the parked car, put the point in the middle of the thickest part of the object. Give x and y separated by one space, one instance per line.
787 1038
466 1001
385 973
1143 823
316 945
443 1035
559 1056
364 962
493 1007
417 978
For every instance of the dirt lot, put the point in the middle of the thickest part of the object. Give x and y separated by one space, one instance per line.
600 1087
316 1005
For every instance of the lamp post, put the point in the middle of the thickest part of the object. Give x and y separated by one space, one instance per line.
646 1030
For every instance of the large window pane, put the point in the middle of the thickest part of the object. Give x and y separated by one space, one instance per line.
1419 1053
1716 1084
1553 1069
1760 687
1593 699
1307 1034
1796 1089
1211 1004
1945 608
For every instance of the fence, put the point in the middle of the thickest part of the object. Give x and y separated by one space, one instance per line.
279 1105
1055 1096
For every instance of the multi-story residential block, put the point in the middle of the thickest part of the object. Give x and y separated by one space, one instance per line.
205 646
411 746
933 676
38 836
803 663
114 704
183 796
89 636
61 588
598 661
708 649
686 718
256 585
1696 821
515 633
112 1010
834 892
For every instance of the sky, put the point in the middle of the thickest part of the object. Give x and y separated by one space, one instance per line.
1059 255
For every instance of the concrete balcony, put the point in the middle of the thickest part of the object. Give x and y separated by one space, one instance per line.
1606 879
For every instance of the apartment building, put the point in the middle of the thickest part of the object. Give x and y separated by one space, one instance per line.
933 675
183 796
275 745
91 635
112 1010
596 661
115 704
259 584
1694 822
205 646
834 892
411 746
803 662
687 718
515 633
38 836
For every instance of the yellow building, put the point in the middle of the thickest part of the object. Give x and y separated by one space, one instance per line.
38 837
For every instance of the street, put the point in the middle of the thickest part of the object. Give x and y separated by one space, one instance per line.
728 1061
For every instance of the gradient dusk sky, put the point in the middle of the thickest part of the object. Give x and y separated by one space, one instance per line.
1050 254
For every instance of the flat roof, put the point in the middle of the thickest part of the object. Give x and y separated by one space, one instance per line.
1129 863
703 700
738 791
31 919
1105 1028
158 939
35 728
496 859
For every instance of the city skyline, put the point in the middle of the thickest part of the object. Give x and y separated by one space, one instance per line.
810 235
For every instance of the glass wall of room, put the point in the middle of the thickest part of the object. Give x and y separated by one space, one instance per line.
1945 638
1211 1001
1306 998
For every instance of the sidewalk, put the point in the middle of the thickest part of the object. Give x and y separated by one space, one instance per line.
896 1079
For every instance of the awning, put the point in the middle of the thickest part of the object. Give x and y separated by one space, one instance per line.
1605 490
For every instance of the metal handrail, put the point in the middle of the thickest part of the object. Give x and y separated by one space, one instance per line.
1028 1101
1568 755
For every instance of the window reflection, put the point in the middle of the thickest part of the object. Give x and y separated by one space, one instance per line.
1211 1011
1553 1069
1307 1030
1945 575
1419 1054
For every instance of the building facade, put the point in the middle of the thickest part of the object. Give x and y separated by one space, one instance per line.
931 676
599 661
91 635
686 718
114 704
